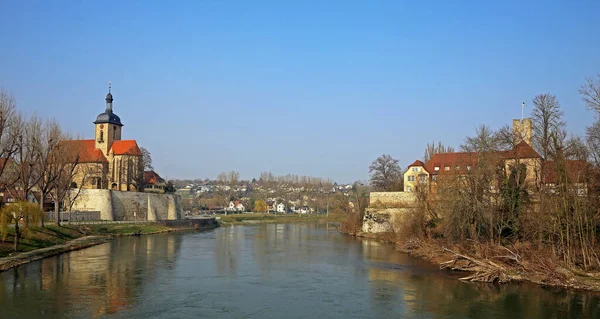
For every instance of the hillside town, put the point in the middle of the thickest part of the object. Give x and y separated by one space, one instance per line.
279 195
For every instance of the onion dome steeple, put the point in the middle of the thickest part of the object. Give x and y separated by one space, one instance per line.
108 116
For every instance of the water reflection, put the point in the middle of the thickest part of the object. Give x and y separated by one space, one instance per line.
92 282
399 279
264 271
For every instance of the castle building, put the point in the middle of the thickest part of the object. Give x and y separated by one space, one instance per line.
107 161
540 174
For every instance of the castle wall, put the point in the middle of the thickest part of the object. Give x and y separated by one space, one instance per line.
121 206
391 199
387 210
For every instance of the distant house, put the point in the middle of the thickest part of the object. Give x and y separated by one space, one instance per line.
272 206
304 210
235 207
240 207
153 183
280 208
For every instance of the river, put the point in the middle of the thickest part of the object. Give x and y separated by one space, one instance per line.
265 271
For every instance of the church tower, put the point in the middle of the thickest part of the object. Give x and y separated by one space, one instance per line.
108 126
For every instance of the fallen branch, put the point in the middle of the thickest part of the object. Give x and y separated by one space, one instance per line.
485 270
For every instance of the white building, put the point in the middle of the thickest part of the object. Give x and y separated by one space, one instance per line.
235 207
281 208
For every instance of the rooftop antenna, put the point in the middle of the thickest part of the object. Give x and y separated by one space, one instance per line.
522 110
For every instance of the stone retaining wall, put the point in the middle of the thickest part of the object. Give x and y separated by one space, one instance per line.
391 199
130 206
386 211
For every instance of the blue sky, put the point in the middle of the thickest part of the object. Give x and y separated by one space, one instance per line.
316 88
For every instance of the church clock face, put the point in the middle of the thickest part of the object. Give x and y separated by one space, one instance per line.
101 125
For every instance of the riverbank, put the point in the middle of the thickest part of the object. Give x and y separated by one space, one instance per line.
245 219
493 263
37 242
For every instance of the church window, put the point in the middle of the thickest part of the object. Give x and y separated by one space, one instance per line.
114 132
101 136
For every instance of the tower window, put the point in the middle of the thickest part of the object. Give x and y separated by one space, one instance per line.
101 136
114 132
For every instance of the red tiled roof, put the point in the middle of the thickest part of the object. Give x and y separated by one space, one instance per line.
416 163
452 160
150 177
86 149
126 147
575 171
522 150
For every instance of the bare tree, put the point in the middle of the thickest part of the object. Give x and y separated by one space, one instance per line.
484 141
232 178
9 132
147 159
508 138
593 141
590 92
27 157
222 178
386 174
547 121
67 159
433 149
48 169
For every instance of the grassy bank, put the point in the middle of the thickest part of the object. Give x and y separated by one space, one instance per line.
243 219
37 237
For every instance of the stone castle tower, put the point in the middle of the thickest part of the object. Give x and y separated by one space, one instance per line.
522 130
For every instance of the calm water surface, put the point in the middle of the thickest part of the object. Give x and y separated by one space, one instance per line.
264 271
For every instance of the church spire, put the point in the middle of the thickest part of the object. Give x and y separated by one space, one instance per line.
109 99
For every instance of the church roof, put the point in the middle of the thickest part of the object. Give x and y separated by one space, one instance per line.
108 118
86 149
126 147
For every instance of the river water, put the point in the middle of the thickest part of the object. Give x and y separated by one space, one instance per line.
264 271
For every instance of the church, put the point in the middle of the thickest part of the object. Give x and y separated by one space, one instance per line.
107 161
